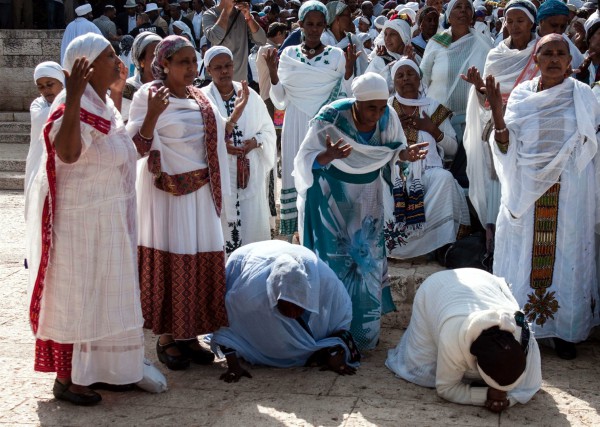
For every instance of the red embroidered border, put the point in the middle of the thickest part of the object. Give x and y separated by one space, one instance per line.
51 356
103 126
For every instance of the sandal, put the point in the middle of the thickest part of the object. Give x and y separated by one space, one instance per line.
199 356
174 363
61 392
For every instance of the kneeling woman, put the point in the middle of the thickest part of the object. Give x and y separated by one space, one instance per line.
286 308
435 205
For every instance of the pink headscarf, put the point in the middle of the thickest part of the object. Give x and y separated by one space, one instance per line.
166 49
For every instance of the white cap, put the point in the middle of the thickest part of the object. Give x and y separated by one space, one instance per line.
84 9
370 86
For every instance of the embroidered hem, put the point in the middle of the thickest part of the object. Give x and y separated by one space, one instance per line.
51 356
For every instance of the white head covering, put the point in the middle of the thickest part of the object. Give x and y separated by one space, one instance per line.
89 45
413 5
401 26
140 43
214 51
370 86
405 60
422 100
185 30
590 23
408 11
380 22
451 5
290 282
84 9
49 69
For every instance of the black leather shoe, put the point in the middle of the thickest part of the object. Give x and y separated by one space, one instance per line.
62 392
174 363
199 356
113 387
564 349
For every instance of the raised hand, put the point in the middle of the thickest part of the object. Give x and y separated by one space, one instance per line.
474 77
119 85
409 51
494 96
414 152
339 150
158 101
380 50
272 61
78 79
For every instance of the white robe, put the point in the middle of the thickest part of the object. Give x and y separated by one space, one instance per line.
450 310
91 296
78 27
251 217
552 139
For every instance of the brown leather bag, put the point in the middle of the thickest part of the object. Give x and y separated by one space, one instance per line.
243 172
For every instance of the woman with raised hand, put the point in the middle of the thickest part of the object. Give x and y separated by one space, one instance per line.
85 300
545 151
251 151
305 78
180 185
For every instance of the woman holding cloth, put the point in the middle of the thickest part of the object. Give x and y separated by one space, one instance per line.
251 153
180 181
85 300
309 76
436 206
545 151
511 63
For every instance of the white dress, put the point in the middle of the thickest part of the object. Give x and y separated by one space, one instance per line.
39 110
546 246
246 215
91 295
305 85
450 310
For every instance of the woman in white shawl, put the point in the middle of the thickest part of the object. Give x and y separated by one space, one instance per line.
434 204
511 63
545 152
286 308
396 35
50 80
448 55
340 195
85 300
250 143
309 76
142 54
181 180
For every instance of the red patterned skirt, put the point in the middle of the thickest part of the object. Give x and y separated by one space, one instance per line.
182 295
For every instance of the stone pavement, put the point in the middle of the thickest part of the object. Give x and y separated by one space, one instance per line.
273 397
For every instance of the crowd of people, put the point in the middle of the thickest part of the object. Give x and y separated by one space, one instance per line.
395 129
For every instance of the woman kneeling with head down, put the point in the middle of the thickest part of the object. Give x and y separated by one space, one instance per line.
286 308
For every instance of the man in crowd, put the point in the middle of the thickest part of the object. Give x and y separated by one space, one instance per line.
80 26
153 12
126 20
107 26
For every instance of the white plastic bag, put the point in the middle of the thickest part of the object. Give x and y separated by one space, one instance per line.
154 381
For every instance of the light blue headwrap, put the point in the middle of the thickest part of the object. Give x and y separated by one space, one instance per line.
551 8
310 6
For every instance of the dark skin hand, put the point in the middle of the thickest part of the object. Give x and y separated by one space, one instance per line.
337 362
497 400
234 370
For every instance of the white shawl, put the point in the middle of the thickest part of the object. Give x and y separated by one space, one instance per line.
254 122
306 86
506 65
363 158
547 129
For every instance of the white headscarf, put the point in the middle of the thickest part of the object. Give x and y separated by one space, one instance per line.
89 45
369 87
214 51
185 30
450 6
422 100
84 9
401 26
289 281
140 44
49 69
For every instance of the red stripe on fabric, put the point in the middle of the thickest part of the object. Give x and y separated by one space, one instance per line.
51 356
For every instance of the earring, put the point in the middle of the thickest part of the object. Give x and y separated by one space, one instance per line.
166 70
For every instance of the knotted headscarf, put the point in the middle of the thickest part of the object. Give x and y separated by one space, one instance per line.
165 50
552 8
312 5
89 45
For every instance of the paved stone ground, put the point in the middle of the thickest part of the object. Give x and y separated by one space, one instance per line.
273 397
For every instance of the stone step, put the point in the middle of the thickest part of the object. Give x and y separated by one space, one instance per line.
11 180
15 127
14 138
15 116
12 157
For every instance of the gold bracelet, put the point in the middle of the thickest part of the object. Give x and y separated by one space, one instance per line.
441 137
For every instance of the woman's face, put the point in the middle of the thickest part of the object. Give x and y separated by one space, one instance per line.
462 14
363 27
49 87
407 82
313 26
518 25
177 31
554 24
393 41
146 61
429 25
183 66
369 112
107 68
553 59
289 309
221 71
